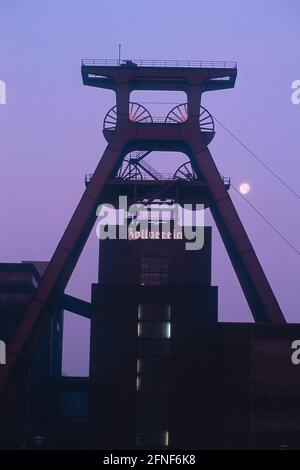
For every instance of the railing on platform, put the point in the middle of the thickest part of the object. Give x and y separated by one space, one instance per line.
226 64
163 177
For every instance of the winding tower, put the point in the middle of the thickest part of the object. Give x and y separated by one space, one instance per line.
131 134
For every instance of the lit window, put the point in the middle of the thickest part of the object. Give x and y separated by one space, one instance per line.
151 329
152 438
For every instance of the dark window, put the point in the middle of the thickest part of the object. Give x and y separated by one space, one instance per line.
154 312
73 404
157 347
17 277
154 271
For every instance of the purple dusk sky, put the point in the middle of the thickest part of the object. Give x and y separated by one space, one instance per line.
50 127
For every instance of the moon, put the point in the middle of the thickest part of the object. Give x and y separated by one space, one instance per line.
245 188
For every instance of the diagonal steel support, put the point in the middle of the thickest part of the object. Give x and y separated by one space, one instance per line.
58 273
255 285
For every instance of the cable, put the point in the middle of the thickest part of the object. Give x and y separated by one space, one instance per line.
272 172
269 169
287 186
268 222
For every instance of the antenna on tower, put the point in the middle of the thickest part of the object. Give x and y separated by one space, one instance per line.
119 58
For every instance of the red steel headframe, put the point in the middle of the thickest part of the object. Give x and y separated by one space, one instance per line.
127 135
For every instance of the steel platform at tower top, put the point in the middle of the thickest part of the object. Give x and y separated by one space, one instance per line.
159 74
